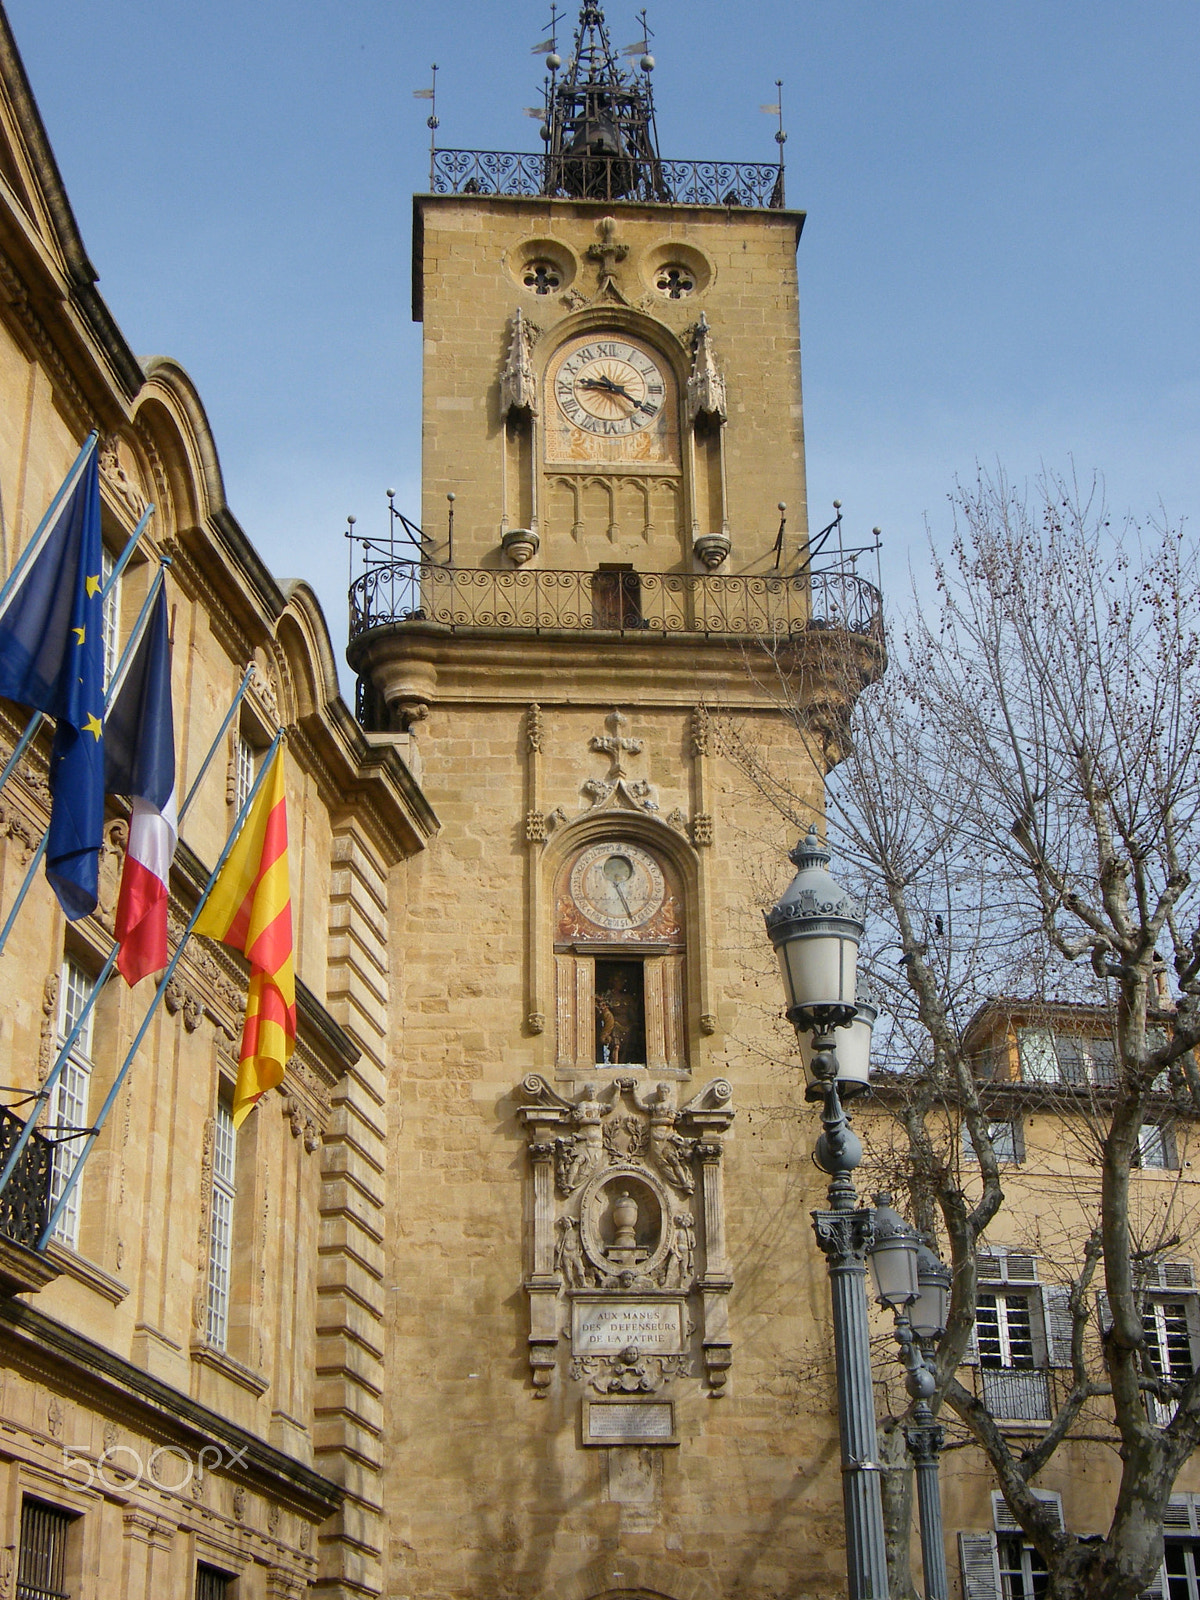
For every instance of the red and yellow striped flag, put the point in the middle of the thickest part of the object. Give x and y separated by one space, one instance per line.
250 908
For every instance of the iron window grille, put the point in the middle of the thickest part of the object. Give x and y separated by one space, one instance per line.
211 1583
42 1564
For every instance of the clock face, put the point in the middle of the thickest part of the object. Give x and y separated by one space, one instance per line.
610 388
617 886
611 398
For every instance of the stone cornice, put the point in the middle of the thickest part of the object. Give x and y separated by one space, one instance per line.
68 1358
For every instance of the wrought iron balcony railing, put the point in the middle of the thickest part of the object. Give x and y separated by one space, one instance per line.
1016 1394
754 184
25 1200
627 603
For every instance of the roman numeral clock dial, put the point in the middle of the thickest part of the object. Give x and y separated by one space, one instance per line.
612 400
610 388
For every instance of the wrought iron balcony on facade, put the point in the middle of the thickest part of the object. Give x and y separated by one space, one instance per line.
752 184
629 604
25 1201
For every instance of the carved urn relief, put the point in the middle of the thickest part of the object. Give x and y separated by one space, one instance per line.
629 1281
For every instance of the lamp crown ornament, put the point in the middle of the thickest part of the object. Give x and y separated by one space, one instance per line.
814 894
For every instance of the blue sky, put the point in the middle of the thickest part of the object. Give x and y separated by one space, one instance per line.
999 264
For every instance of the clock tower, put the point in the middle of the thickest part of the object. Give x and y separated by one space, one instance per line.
604 1291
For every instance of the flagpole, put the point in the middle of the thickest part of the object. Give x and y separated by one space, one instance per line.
131 645
30 550
35 721
102 976
110 1099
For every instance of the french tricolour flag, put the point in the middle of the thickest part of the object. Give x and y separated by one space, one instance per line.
139 754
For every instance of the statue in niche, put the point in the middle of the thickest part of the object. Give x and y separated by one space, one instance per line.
620 1013
681 1255
568 1254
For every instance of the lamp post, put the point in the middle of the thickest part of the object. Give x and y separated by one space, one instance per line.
913 1282
815 929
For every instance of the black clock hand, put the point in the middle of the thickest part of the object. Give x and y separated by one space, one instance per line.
624 902
609 387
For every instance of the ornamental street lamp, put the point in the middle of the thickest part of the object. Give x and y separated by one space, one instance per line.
815 929
913 1282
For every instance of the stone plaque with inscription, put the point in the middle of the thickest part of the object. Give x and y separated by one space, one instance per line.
629 1422
607 1327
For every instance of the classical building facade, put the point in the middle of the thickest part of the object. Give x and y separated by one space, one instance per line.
190 1375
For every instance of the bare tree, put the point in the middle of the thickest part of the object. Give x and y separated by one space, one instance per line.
1019 800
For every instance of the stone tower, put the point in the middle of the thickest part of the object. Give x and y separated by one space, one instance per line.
603 1292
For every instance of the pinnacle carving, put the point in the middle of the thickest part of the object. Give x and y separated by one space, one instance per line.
705 386
518 387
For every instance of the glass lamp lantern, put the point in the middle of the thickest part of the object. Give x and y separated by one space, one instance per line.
815 929
930 1311
853 1053
893 1256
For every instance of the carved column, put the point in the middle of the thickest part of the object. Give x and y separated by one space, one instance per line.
706 1117
542 1119
535 835
716 1282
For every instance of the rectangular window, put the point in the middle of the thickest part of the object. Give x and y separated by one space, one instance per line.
1180 1561
211 1583
68 1107
1004 1330
1039 1063
110 619
42 1563
1152 1146
620 1013
1023 1574
243 770
220 1237
1006 1140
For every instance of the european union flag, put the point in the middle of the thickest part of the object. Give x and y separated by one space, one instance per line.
52 660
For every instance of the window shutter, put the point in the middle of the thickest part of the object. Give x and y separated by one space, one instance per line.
1179 1514
1104 1311
1004 1521
1056 1319
1177 1275
1158 1587
980 1566
990 1268
1020 1267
